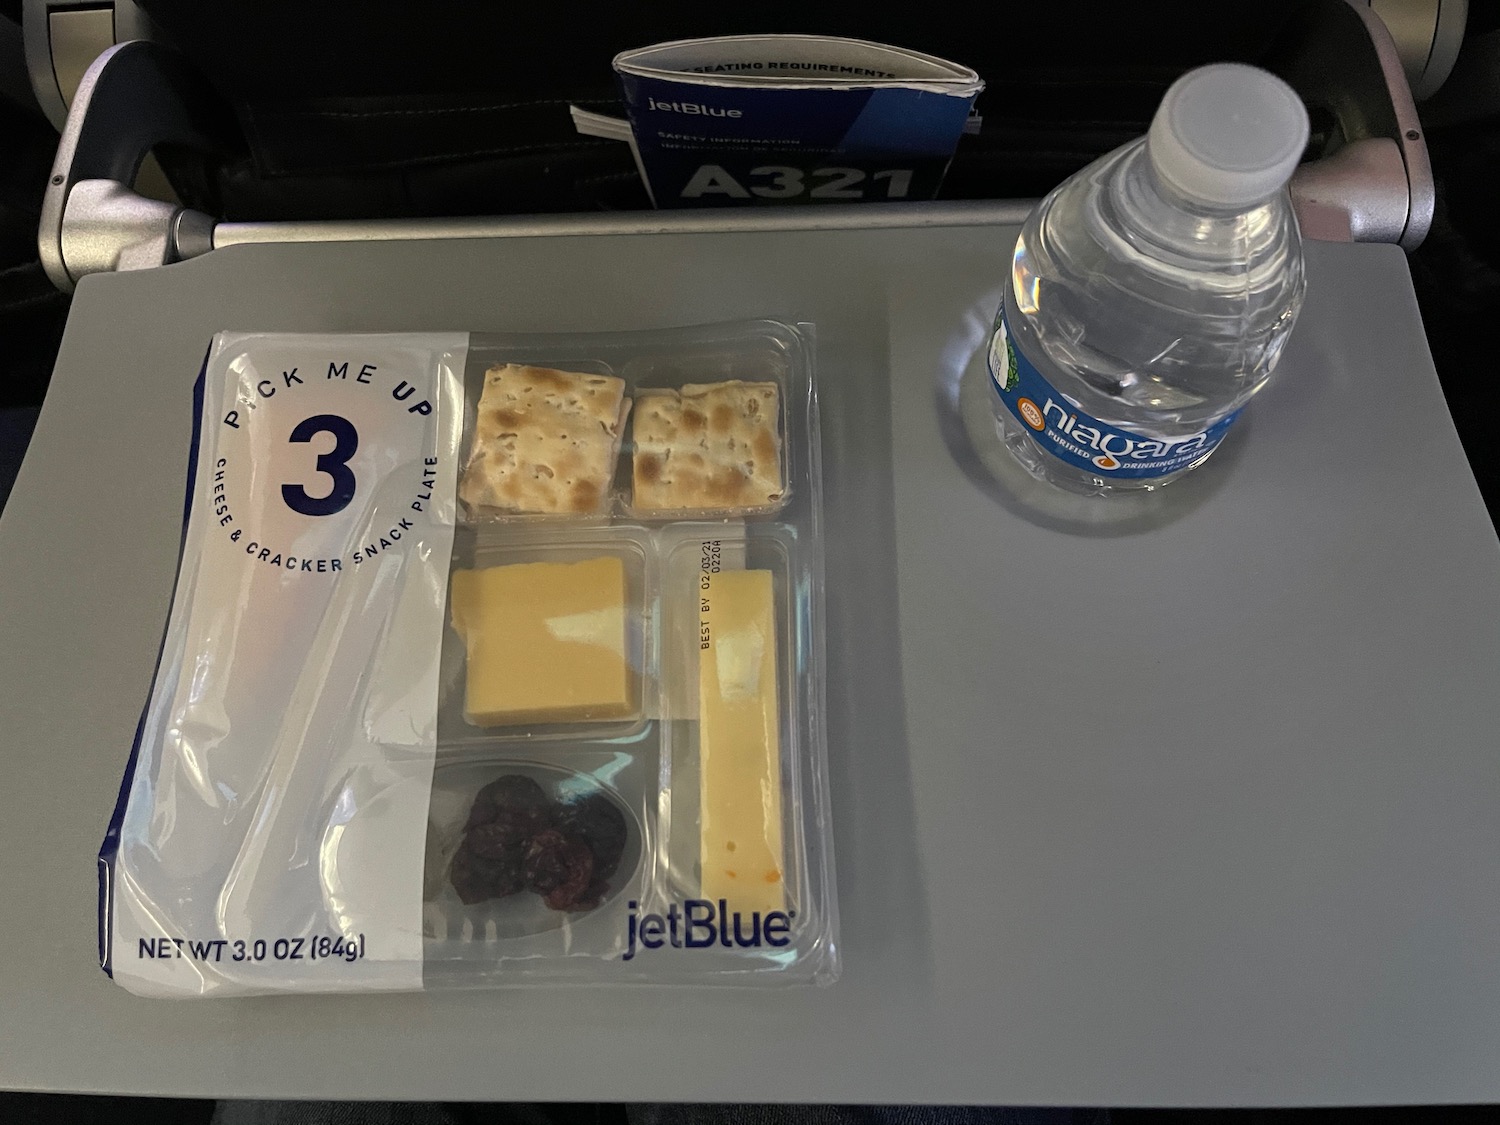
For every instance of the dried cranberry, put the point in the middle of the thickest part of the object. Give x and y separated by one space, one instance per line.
568 894
513 791
510 829
545 865
592 896
479 878
515 801
470 883
494 841
482 812
600 824
470 877
559 868
505 873
516 838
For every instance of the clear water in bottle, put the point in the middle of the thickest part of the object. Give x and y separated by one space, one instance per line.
1152 293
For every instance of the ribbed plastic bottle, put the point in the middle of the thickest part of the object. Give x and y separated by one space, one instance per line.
1151 294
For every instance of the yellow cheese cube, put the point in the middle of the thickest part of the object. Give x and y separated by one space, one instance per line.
739 741
546 642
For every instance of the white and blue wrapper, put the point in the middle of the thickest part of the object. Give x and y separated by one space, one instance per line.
298 676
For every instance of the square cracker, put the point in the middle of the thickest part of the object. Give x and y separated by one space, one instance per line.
710 446
544 441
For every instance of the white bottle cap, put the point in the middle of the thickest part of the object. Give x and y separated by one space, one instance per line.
1228 135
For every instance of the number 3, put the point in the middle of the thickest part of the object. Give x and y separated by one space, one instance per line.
785 182
334 463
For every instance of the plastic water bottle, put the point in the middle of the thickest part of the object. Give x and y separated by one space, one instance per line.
1152 293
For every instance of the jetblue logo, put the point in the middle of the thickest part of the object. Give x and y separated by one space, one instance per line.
697 109
700 923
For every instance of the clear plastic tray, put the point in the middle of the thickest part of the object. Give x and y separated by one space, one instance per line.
648 764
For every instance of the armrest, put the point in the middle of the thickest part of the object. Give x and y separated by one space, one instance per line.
135 96
1375 182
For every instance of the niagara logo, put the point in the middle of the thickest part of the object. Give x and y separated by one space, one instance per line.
1113 448
1076 436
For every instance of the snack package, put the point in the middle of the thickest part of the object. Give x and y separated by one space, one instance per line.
492 660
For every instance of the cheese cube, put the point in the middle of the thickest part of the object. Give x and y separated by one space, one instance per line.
739 742
546 642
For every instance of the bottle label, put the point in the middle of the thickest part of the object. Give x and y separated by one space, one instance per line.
1079 439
